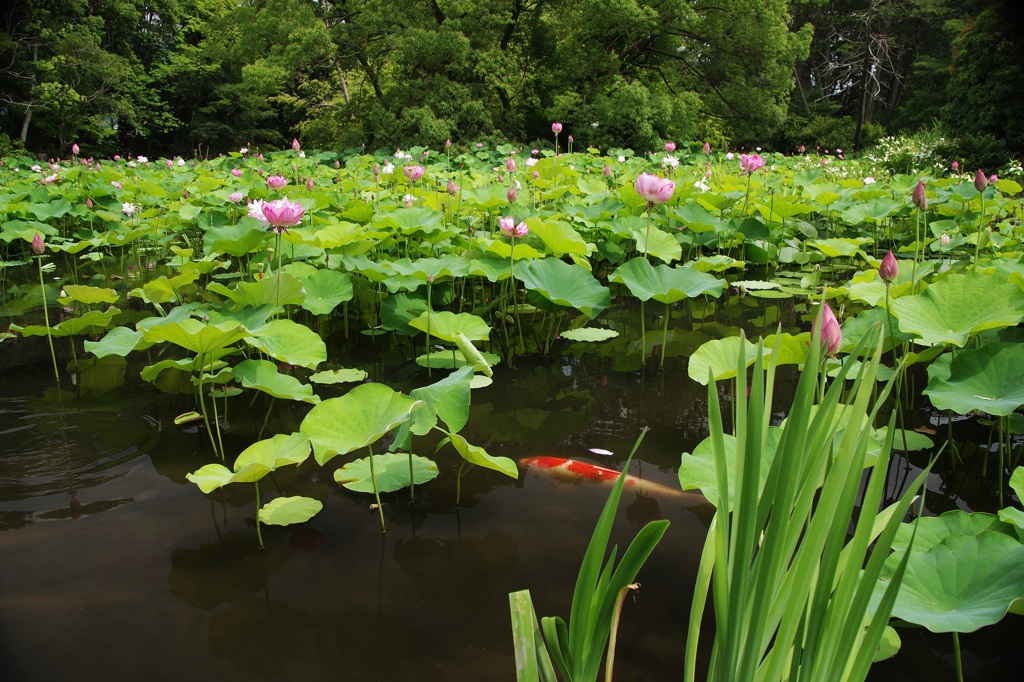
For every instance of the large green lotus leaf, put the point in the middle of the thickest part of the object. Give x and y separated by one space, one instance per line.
474 454
362 416
390 471
841 247
565 285
558 236
931 530
447 399
338 234
664 283
450 267
871 322
236 240
398 310
86 295
874 210
445 324
719 355
276 451
196 336
989 379
792 348
290 342
210 477
411 220
263 375
118 341
958 305
338 376
870 288
1012 515
697 470
264 291
491 267
285 511
960 584
325 289
656 243
92 322
504 250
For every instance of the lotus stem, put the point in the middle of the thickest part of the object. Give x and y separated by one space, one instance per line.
956 657
376 493
259 534
46 318
981 224
664 335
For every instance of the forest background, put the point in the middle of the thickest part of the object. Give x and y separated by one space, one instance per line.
199 77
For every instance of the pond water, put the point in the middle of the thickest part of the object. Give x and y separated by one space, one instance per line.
113 566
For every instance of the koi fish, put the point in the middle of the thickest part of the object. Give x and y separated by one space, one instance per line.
573 470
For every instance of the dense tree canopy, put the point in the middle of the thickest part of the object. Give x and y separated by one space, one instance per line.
200 76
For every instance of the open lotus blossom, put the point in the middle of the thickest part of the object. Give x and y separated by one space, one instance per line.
980 181
556 128
115 184
277 181
235 197
414 173
653 189
237 172
388 168
408 200
142 159
128 208
889 269
510 229
670 147
750 162
831 333
918 196
281 214
38 247
531 162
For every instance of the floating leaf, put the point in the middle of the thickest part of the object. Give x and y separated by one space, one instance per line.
720 356
210 477
338 376
989 379
565 285
589 334
390 471
86 295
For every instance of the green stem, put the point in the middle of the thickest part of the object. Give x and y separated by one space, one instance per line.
981 224
46 318
956 657
376 492
259 535
664 335
278 273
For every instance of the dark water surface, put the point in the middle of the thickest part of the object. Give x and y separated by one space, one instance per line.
114 567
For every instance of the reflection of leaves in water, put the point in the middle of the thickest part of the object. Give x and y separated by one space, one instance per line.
77 510
266 637
360 634
643 510
467 571
12 520
97 376
226 571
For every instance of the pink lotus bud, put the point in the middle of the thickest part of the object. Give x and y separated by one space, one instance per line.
607 171
337 164
448 144
453 189
889 269
670 147
993 179
918 196
277 181
510 165
980 181
653 189
295 144
309 183
802 149
38 247
376 169
707 148
237 172
117 157
556 128
536 175
831 333
74 149
170 164
235 197
88 202
501 178
511 196
570 139
955 166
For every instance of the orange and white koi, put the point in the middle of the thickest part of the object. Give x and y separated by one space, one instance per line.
573 470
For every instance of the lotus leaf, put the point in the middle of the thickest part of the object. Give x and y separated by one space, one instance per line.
565 285
959 305
657 243
474 454
559 237
290 342
362 416
390 472
589 334
665 284
91 322
447 399
87 295
720 356
325 289
989 379
196 336
697 470
263 375
285 511
118 341
445 324
338 376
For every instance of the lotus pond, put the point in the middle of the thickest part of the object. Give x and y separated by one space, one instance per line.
240 449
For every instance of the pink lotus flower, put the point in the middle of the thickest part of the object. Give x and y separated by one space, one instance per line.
510 165
115 184
670 147
448 144
38 247
237 172
129 209
750 162
282 214
831 333
408 200
256 211
707 148
556 128
980 181
74 148
235 197
117 157
606 171
955 166
277 181
512 196
88 202
918 196
414 173
309 183
653 189
510 229
889 269
295 144
993 179
170 164
453 189
536 175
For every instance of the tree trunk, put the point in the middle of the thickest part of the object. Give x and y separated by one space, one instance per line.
25 122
